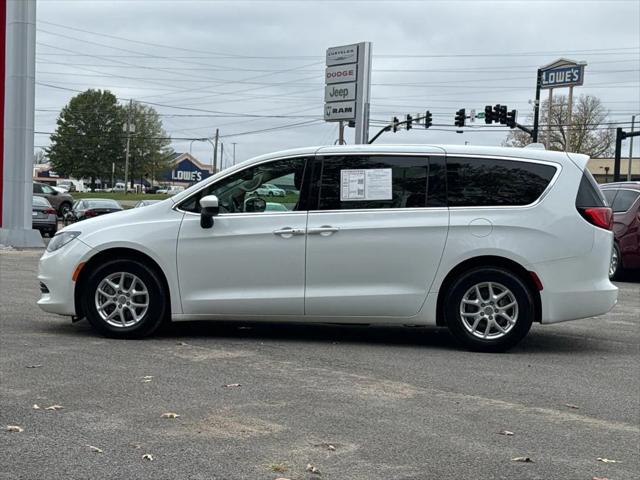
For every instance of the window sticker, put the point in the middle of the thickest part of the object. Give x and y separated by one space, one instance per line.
370 184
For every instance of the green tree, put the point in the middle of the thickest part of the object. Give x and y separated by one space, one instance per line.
149 146
88 137
587 133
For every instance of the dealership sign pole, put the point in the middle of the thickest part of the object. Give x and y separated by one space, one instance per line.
559 74
18 85
347 87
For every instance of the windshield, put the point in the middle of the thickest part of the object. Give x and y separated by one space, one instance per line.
102 204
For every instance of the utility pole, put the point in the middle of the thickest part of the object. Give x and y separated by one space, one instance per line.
341 133
234 152
536 108
633 123
620 136
126 157
221 155
215 151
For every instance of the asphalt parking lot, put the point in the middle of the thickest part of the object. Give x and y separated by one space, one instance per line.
265 401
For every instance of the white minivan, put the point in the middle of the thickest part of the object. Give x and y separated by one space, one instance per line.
482 240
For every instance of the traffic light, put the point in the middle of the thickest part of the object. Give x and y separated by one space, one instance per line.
460 117
488 114
395 123
511 119
409 121
428 119
502 114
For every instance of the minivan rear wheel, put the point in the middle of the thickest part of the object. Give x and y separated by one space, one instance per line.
489 309
124 299
614 265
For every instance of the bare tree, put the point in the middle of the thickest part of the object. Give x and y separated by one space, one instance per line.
588 132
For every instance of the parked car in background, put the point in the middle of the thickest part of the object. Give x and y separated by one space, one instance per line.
44 217
270 191
483 240
68 185
62 202
624 198
91 207
145 203
117 188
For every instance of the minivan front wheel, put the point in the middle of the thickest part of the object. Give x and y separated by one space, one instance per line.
489 309
124 299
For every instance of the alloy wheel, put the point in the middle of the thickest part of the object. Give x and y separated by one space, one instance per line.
122 299
489 310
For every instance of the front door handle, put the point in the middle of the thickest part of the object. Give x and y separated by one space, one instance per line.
288 232
324 230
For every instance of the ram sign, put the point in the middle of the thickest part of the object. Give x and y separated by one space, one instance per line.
562 74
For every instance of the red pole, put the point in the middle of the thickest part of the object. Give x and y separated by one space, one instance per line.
3 37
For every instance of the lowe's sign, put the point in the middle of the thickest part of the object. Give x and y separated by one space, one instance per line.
186 171
562 74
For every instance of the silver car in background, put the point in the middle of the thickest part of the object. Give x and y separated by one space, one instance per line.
44 216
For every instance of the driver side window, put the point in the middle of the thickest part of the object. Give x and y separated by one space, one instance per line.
268 187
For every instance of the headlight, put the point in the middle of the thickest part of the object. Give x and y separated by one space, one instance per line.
60 240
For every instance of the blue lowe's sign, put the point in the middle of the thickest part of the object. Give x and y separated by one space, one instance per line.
562 74
187 171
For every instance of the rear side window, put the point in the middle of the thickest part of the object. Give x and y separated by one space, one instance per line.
480 182
377 181
589 194
609 194
624 200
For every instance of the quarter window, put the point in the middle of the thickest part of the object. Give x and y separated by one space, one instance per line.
609 194
377 181
474 182
624 200
268 187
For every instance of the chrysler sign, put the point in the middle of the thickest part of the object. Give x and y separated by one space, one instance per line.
342 55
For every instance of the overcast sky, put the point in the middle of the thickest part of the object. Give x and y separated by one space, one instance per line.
210 63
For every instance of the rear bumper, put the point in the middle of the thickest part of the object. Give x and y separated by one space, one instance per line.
578 287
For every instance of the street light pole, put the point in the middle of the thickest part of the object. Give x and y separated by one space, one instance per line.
126 158
234 151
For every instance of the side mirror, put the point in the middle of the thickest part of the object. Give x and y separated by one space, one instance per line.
209 208
255 204
54 192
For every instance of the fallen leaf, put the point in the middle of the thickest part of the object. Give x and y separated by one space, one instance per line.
183 344
146 381
54 407
505 432
230 385
282 478
148 457
95 449
331 447
34 366
136 445
36 406
14 428
606 460
278 467
522 459
170 415
312 469
571 405
599 478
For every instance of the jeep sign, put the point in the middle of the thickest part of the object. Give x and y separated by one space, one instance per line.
340 92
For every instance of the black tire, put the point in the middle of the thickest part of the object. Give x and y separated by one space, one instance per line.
463 284
615 271
157 311
63 208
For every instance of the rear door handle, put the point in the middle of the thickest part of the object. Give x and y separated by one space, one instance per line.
324 230
288 232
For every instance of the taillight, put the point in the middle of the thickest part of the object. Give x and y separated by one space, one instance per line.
90 213
599 216
50 211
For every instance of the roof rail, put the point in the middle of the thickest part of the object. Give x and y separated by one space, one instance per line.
536 146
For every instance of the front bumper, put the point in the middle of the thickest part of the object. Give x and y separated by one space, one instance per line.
55 271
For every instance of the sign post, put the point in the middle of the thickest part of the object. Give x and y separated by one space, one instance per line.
558 74
347 85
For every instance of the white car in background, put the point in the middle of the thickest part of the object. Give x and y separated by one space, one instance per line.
270 191
485 241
